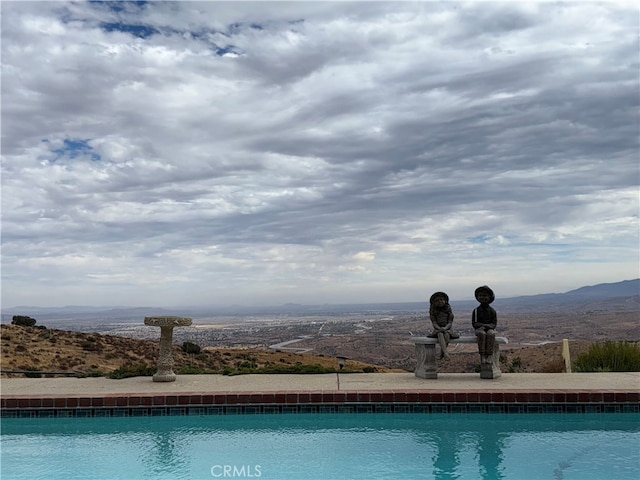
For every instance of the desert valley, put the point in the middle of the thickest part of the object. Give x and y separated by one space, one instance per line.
369 336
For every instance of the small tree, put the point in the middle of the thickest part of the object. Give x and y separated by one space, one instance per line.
23 321
189 347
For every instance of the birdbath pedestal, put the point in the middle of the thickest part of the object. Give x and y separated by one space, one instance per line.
165 359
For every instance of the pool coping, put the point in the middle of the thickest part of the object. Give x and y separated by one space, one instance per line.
397 392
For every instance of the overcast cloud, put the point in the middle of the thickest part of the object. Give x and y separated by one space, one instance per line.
172 153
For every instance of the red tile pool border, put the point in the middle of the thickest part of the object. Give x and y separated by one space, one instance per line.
322 400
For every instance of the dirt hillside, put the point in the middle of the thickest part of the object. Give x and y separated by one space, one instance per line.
41 349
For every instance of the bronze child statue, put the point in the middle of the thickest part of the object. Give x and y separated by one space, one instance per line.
484 320
441 317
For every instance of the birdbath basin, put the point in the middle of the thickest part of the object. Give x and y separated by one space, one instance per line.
165 358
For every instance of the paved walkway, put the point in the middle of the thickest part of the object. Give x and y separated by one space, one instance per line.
321 382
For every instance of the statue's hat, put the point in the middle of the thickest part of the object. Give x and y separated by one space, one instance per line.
487 290
439 294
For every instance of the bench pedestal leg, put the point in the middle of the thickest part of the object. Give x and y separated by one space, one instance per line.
492 370
426 367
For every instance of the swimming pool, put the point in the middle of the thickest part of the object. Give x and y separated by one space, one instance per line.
325 446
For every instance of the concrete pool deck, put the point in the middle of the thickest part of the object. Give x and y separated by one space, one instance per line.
316 393
626 381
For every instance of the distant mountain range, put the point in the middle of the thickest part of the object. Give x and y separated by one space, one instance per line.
626 288
604 296
613 296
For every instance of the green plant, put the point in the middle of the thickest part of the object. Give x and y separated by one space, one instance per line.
246 365
132 370
516 365
45 334
32 372
89 345
194 370
190 347
23 321
609 356
96 372
298 368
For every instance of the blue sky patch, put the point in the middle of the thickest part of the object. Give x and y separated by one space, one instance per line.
237 27
220 50
480 238
73 148
119 6
140 31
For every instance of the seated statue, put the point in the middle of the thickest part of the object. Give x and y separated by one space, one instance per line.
484 320
441 317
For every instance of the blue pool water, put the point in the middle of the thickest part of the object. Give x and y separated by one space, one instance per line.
325 446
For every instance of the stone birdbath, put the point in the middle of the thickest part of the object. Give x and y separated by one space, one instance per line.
165 359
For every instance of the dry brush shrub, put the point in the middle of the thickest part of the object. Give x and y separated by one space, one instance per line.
556 365
610 356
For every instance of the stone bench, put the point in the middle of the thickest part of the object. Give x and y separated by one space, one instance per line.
426 353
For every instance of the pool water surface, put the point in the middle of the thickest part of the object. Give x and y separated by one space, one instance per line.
325 446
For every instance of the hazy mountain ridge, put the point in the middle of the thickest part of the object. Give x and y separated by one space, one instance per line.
624 295
626 288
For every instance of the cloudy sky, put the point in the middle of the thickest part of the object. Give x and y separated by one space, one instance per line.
185 153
